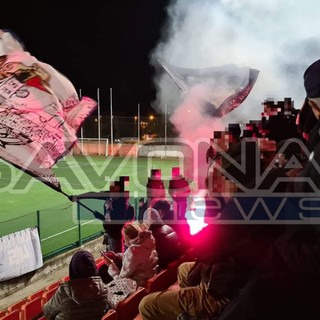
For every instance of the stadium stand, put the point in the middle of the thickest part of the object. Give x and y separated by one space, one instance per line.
13 315
127 309
65 278
32 309
36 294
17 305
158 282
110 315
47 295
53 285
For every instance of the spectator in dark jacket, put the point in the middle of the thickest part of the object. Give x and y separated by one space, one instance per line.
84 296
122 212
143 206
227 255
117 211
310 124
168 244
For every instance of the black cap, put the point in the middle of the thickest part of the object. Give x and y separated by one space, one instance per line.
312 80
311 77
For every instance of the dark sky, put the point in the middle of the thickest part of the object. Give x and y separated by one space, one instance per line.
96 44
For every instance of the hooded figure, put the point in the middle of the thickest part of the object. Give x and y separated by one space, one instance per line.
151 217
84 296
140 260
168 244
309 121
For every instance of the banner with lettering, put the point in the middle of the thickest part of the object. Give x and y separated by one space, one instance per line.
20 253
40 112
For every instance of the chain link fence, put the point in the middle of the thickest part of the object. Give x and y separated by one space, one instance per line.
63 227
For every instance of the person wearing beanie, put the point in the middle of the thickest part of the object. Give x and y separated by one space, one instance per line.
309 123
140 259
84 296
310 110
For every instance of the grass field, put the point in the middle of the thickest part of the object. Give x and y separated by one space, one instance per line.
22 195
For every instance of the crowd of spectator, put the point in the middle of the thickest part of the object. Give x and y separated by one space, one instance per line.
243 271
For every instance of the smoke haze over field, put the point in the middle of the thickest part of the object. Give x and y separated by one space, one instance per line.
278 37
281 38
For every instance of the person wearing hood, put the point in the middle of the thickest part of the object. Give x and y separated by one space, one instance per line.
168 244
140 259
84 296
309 124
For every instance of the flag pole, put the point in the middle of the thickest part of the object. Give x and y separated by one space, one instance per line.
111 122
81 138
99 119
165 130
175 80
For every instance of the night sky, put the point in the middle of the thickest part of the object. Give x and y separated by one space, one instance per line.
96 44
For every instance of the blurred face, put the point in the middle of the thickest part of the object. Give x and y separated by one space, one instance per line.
126 240
108 204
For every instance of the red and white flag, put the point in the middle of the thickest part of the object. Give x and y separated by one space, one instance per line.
224 87
40 112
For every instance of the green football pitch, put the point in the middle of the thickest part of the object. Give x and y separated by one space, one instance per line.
27 202
22 194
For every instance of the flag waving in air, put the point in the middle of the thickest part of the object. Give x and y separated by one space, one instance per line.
224 88
40 112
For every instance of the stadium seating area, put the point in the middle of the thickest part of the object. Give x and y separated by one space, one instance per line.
30 308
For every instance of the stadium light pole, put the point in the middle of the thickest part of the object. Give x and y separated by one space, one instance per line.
138 122
111 122
81 130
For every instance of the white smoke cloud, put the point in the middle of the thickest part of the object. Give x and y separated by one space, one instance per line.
278 37
281 38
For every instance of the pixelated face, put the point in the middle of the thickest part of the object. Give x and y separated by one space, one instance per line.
271 111
218 183
221 140
281 160
267 149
